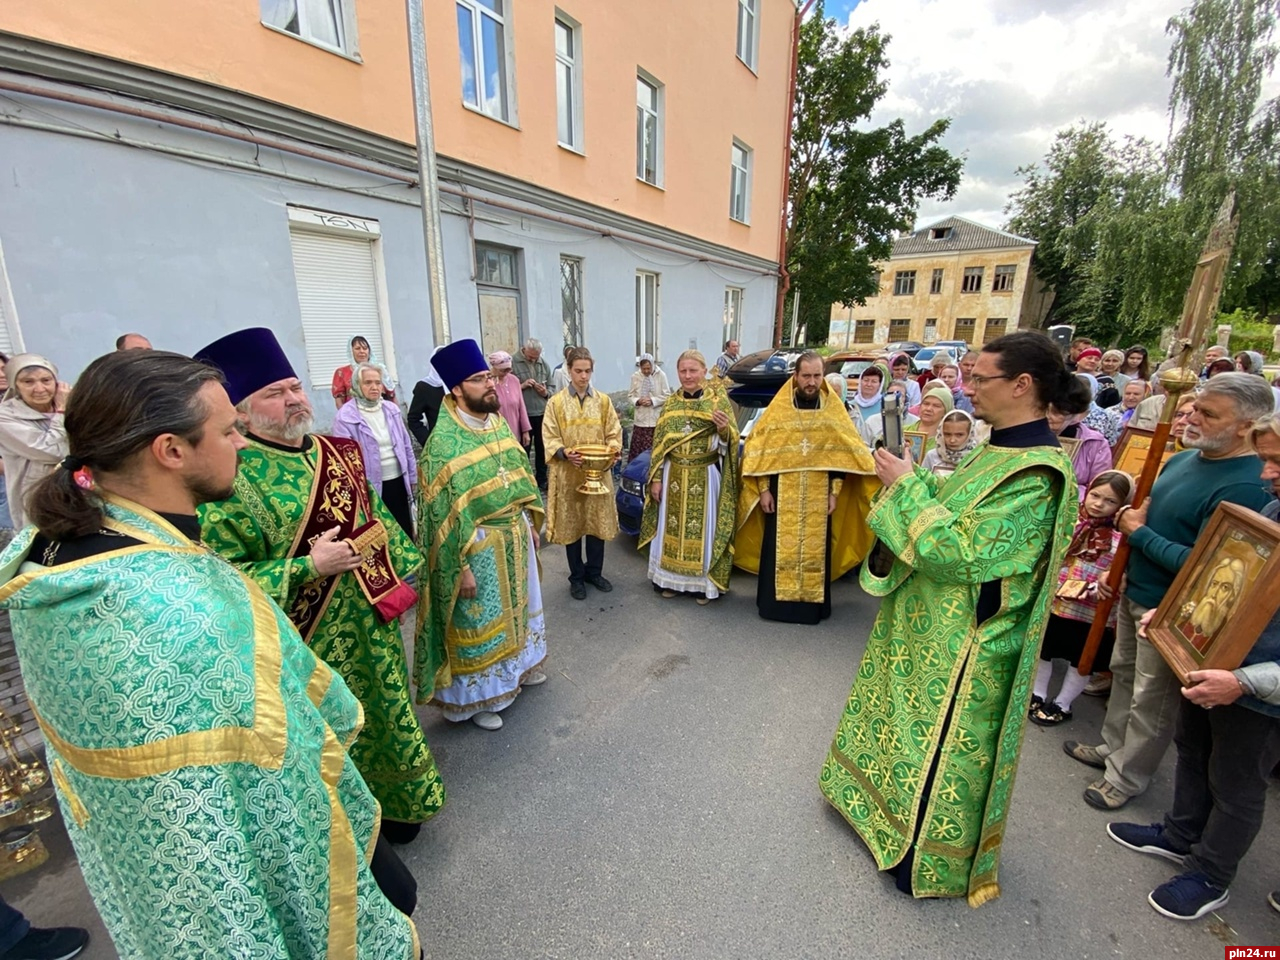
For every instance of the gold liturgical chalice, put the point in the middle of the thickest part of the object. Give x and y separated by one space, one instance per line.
596 459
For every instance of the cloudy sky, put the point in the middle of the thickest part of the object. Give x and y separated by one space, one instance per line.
1010 73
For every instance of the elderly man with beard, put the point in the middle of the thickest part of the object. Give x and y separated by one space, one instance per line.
1219 465
479 510
306 525
1228 742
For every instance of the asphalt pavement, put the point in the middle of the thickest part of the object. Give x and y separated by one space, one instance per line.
658 798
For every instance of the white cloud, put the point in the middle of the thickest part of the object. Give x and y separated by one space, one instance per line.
1011 73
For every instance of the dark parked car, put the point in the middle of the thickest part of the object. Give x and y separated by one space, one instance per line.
909 347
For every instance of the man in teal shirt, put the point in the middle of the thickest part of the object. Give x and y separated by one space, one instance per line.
1145 693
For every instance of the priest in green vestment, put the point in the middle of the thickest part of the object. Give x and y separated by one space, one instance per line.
481 634
196 745
923 760
304 522
688 522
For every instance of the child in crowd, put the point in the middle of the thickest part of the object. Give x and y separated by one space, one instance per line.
956 437
1089 557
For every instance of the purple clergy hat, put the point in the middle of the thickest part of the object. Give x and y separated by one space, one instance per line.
249 359
457 361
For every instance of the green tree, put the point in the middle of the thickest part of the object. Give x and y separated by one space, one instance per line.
853 189
1121 226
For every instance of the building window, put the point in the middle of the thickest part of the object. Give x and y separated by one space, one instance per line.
327 23
740 183
935 283
337 266
482 39
995 328
498 295
940 233
732 314
748 31
964 329
648 129
571 303
877 278
10 333
930 329
1002 281
569 82
972 282
647 312
904 283
900 329
864 331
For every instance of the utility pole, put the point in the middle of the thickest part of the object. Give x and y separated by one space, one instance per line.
428 182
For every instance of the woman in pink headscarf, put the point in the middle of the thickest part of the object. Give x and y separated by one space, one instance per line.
510 396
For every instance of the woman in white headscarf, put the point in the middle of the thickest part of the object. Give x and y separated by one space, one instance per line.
344 386
33 439
649 390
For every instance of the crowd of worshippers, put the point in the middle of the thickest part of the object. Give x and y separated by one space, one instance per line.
185 530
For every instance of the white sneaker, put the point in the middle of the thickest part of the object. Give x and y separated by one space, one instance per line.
487 721
534 679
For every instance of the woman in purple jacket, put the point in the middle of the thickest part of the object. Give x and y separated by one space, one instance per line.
384 441
1092 455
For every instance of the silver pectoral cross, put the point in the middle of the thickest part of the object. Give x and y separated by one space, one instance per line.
804 446
502 475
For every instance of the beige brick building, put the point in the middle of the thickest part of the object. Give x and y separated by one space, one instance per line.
952 280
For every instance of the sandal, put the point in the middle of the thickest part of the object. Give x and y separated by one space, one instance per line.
668 594
1050 715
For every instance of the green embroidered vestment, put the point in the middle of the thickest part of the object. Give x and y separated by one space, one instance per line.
254 530
934 684
197 748
684 441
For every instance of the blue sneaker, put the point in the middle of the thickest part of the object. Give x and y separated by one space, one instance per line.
1144 839
1188 897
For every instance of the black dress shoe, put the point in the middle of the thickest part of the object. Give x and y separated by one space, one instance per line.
600 583
577 591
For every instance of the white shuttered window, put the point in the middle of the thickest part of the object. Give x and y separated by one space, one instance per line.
10 335
340 294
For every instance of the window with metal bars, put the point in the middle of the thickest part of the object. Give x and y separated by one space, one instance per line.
571 313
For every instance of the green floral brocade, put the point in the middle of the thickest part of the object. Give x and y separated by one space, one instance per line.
468 479
254 530
683 439
1006 515
197 749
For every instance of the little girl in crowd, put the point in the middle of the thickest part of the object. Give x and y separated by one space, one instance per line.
956 437
1089 557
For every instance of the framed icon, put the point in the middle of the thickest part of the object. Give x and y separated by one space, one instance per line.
1231 579
916 438
1069 446
1132 448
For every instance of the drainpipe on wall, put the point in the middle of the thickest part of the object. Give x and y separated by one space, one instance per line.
428 180
785 285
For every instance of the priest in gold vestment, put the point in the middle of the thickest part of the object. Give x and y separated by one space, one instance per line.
807 483
576 416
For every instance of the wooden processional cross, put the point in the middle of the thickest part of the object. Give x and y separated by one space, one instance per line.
1188 346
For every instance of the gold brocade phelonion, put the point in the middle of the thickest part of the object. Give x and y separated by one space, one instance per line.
596 459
